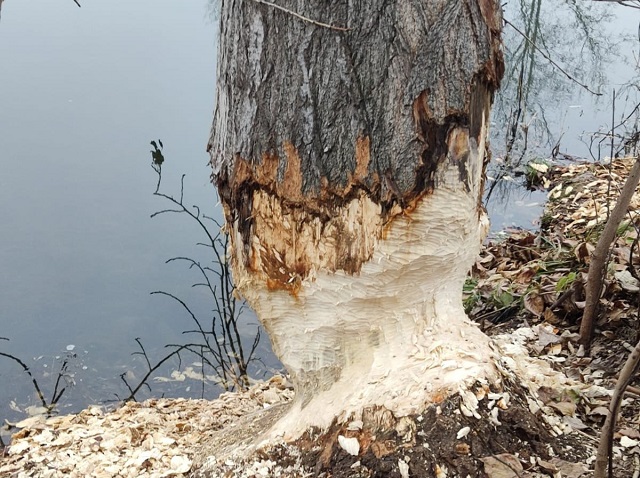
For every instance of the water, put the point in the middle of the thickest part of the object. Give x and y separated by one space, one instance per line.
558 112
82 92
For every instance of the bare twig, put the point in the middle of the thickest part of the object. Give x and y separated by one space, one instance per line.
33 380
56 396
57 391
548 58
624 3
143 382
301 17
597 269
604 456
219 346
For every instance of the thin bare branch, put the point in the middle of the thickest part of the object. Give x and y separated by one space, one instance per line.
624 3
301 17
597 269
28 372
604 456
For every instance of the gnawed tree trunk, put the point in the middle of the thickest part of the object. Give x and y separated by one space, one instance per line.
350 167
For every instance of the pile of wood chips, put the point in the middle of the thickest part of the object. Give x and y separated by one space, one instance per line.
156 438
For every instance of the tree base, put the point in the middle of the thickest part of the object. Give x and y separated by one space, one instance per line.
451 362
443 441
473 432
394 335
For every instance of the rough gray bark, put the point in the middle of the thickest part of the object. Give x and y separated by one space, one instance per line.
350 165
315 115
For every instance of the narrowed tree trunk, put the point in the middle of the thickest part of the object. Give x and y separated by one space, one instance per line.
349 158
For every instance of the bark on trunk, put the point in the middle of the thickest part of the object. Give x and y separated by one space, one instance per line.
350 167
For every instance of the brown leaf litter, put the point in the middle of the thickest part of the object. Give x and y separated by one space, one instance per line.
536 280
526 291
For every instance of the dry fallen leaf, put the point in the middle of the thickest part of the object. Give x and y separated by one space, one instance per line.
502 466
534 303
565 408
547 337
604 411
569 469
630 432
550 317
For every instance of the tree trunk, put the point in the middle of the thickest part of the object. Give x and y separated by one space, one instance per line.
348 147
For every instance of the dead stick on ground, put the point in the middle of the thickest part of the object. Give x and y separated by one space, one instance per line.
597 269
633 391
604 454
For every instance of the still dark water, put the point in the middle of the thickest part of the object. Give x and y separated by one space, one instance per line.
82 92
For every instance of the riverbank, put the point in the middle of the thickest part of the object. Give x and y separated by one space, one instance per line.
525 290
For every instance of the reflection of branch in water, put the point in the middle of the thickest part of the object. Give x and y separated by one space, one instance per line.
550 60
583 47
620 143
532 47
524 56
624 3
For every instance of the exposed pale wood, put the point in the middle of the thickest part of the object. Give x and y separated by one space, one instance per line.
350 165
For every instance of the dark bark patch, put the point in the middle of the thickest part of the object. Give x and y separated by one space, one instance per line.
488 9
436 137
238 203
